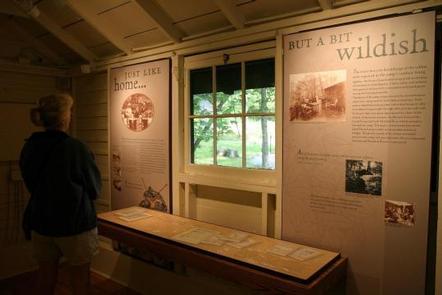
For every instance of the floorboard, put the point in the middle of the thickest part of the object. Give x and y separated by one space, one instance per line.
22 285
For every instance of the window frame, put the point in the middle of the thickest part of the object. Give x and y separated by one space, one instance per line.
236 55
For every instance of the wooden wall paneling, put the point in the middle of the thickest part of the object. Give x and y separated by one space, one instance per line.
24 88
264 215
34 81
23 94
93 123
4 177
19 91
179 207
91 82
13 199
92 97
92 126
278 122
4 202
230 215
186 199
192 201
271 210
93 135
228 207
105 192
177 139
98 148
102 164
14 116
92 110
100 207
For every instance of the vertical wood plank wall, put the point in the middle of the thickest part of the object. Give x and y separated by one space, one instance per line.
91 119
18 91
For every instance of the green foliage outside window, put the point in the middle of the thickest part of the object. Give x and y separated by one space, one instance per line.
227 136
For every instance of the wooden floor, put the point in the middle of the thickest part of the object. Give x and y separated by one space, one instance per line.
22 285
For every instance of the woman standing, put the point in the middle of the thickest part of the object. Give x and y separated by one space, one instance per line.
61 175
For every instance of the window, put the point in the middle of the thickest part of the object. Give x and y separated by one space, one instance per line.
232 114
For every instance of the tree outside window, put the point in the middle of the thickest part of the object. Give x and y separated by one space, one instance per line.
232 115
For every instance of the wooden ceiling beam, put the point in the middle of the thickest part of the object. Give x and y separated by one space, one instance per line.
50 25
228 8
325 4
84 9
61 34
34 42
11 8
358 12
163 21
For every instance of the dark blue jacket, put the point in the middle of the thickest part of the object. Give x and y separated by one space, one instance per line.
60 173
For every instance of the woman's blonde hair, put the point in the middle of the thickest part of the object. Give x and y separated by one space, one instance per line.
52 111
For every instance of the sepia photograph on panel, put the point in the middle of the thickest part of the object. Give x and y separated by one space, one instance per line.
137 112
401 213
363 177
318 96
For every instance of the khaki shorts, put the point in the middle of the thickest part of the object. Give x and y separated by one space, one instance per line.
77 249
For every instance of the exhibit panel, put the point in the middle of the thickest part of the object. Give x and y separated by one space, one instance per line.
139 135
358 105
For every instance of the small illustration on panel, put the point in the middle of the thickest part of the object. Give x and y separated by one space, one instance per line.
318 97
117 177
363 177
401 213
153 199
137 112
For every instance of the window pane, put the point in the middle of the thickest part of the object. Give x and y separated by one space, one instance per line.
201 92
260 142
228 89
260 100
260 73
260 86
229 142
202 141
